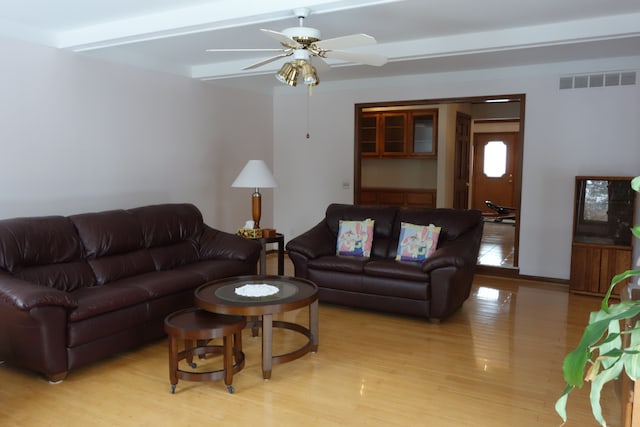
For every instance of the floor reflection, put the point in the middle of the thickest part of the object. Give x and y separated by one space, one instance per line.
497 247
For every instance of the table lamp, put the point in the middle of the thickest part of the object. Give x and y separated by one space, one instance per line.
255 174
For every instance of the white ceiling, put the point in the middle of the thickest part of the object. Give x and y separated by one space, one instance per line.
417 36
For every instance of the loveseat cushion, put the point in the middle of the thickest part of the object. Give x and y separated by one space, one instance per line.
383 218
453 222
396 269
343 264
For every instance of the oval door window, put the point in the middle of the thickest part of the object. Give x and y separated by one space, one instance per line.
495 159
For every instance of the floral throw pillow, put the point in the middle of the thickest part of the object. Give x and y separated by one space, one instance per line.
417 242
355 238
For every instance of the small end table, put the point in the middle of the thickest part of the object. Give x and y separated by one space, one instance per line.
279 239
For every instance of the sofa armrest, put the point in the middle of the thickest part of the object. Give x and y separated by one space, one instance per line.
457 253
216 244
25 295
315 242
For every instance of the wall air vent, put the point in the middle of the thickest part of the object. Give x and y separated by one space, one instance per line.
580 81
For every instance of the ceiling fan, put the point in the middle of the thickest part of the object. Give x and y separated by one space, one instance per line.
304 43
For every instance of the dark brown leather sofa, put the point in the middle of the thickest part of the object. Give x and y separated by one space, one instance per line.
433 288
80 288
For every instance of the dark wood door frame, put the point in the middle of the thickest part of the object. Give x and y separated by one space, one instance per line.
462 100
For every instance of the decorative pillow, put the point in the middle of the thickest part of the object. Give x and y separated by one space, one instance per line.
355 238
417 242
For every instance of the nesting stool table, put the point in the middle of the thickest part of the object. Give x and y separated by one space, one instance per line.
196 327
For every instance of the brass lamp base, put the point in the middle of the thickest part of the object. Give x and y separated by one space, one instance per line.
256 208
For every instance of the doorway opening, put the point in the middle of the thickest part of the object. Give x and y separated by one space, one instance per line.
461 122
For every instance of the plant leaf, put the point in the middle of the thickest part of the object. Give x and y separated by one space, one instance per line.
596 390
609 350
561 403
574 363
632 362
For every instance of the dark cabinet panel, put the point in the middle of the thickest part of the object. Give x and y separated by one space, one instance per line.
601 246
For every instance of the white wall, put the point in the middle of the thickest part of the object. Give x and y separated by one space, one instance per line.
592 131
79 135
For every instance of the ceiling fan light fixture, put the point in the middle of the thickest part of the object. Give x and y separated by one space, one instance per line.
288 74
309 75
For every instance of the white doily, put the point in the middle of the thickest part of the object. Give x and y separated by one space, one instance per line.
256 290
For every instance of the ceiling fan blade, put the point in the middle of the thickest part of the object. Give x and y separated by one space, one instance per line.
345 42
244 50
284 39
363 58
268 60
319 63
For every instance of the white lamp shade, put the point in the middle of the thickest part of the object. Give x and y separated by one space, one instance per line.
255 174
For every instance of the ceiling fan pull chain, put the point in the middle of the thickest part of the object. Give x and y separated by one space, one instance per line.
308 135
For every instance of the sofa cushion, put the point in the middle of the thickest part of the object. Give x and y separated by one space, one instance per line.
161 283
355 238
108 233
174 255
112 268
97 300
219 268
44 250
416 242
92 328
382 216
67 276
167 224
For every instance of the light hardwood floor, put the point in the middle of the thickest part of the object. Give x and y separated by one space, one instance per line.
497 362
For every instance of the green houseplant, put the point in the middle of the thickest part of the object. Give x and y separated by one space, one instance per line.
600 356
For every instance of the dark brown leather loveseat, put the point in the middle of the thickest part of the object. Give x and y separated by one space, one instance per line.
80 288
433 288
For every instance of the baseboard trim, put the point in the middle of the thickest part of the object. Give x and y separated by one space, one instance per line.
514 273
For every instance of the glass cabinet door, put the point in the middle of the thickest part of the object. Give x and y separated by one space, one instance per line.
368 135
424 139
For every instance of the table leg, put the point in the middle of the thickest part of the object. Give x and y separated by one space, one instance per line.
263 259
267 345
313 325
173 362
281 257
227 344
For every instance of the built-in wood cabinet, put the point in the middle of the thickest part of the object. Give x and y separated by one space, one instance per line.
602 239
398 133
397 151
416 198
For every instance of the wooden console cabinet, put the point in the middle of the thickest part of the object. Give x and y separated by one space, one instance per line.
602 239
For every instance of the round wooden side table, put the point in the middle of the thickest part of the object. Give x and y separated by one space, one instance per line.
196 327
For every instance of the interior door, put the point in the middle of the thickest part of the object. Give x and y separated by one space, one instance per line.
494 163
461 165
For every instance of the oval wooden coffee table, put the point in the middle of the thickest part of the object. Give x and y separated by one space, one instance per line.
225 296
